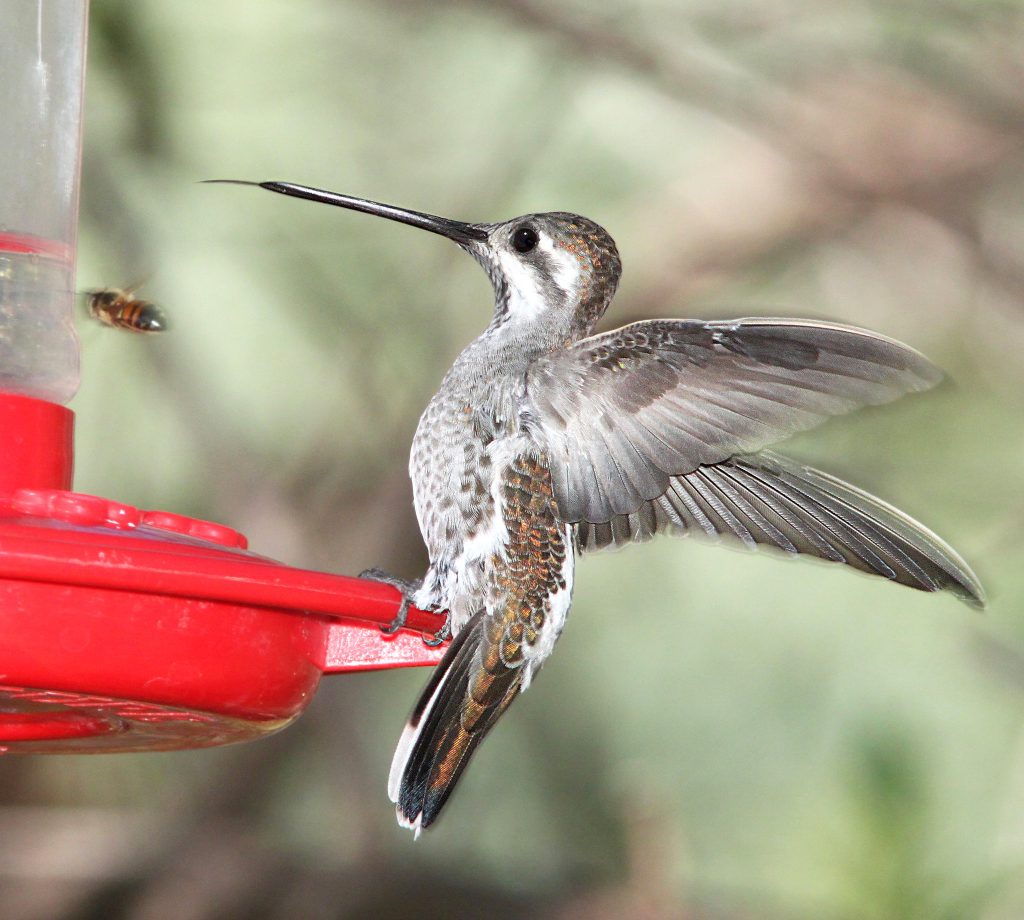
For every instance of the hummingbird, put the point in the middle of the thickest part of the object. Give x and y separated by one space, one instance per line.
546 441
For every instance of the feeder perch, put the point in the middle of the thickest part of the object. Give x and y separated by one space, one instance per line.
123 629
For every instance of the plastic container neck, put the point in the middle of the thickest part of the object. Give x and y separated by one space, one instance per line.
36 444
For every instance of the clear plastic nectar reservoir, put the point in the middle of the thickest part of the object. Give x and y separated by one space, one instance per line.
42 71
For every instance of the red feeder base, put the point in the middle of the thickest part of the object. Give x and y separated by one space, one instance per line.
125 630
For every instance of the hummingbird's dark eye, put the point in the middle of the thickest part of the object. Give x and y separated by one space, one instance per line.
524 239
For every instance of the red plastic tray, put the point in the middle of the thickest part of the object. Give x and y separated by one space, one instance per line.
128 630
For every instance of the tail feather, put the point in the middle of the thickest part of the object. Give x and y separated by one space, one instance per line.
424 706
425 715
465 697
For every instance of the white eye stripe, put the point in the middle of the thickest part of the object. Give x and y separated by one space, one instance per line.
567 266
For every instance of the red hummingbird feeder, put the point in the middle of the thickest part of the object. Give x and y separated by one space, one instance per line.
124 629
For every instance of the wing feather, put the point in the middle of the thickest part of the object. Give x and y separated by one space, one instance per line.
626 410
765 500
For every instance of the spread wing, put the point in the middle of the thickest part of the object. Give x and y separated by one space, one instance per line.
625 411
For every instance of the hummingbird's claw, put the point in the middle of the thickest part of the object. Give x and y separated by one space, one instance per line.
399 621
440 637
408 589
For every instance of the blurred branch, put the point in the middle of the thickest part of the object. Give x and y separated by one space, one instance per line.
842 145
696 74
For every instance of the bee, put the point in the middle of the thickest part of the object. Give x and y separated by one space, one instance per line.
122 310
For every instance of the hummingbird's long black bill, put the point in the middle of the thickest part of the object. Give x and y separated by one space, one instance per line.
453 229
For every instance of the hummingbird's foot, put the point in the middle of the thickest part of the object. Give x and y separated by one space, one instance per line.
408 589
433 640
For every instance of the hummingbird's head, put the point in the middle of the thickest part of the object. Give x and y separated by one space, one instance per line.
554 271
553 274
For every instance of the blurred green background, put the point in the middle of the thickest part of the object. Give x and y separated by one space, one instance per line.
720 735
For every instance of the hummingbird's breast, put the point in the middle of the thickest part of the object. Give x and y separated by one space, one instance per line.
452 462
466 437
